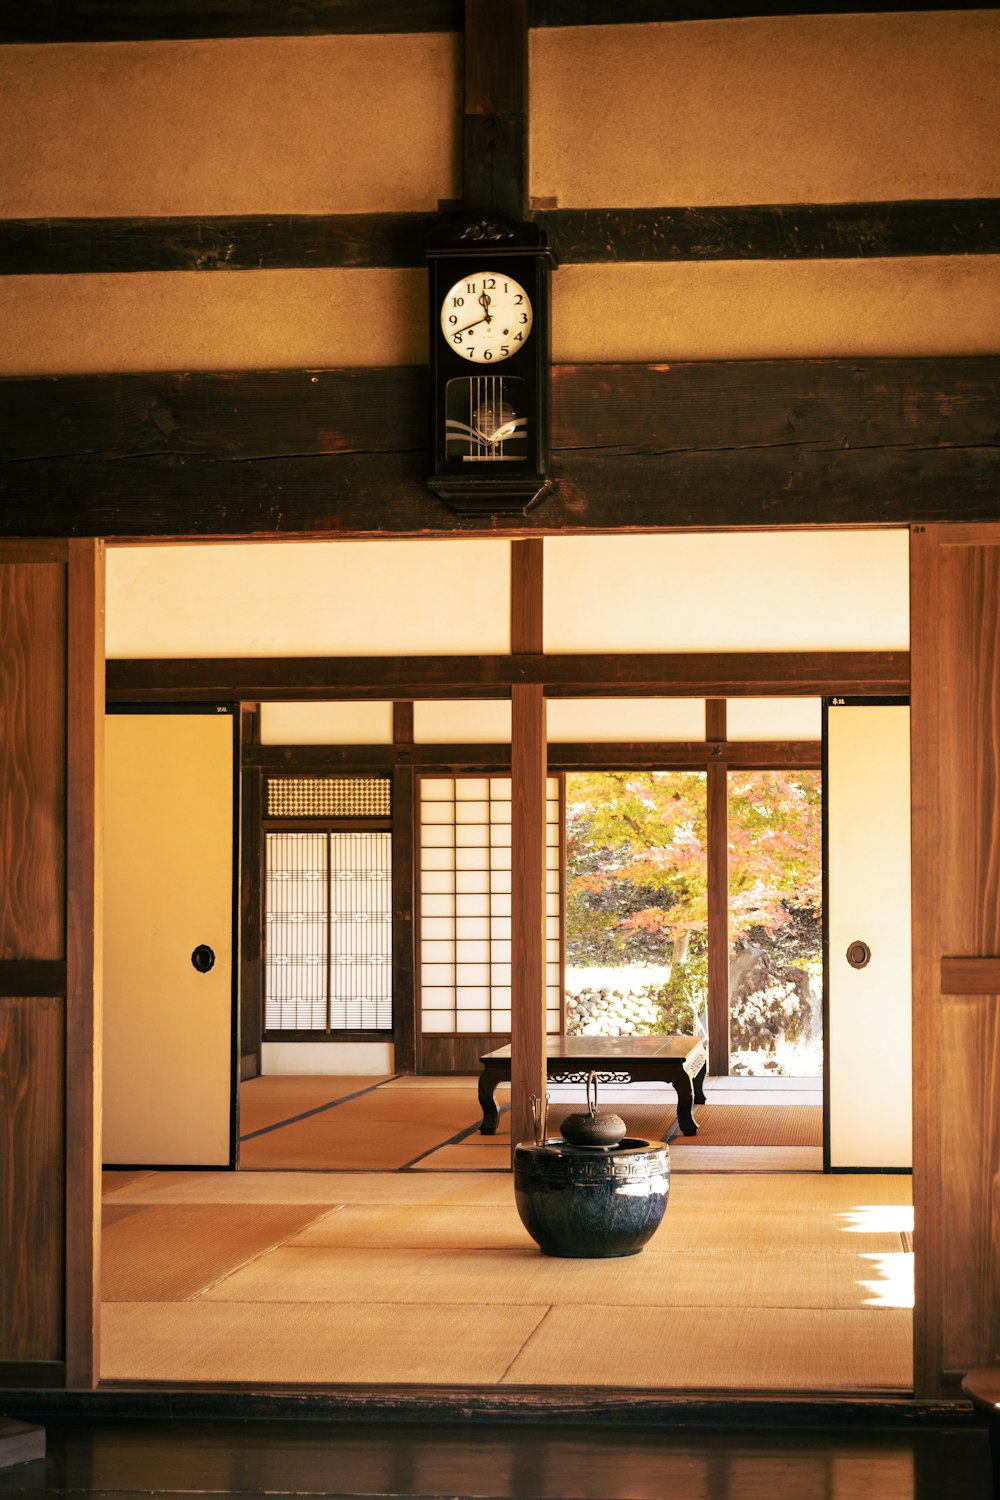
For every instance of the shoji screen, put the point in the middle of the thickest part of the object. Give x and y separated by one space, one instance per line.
465 905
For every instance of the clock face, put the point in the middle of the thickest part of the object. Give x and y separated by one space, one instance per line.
486 317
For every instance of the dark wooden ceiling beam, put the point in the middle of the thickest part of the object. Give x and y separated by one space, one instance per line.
609 409
578 236
385 495
166 20
636 447
666 674
750 755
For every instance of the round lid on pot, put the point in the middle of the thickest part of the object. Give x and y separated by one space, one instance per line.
592 1128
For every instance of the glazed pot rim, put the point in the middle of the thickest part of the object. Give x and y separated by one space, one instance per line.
630 1145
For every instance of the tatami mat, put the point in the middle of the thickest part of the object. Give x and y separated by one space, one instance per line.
698 1158
380 1130
305 1090
757 1125
764 1282
722 1348
425 1226
116 1178
318 1123
324 1188
518 1275
168 1254
288 1343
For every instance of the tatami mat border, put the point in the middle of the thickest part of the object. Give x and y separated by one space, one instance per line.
454 1140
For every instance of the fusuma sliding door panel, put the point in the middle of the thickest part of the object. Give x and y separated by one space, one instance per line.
867 789
168 1037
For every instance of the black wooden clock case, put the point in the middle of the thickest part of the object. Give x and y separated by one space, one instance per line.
490 421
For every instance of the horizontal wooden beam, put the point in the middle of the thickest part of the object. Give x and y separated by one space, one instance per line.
592 236
750 755
247 242
755 443
156 20
675 674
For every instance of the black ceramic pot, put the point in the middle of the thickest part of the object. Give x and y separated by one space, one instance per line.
586 1201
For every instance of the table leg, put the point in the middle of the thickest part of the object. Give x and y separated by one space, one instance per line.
699 1083
685 1098
488 1081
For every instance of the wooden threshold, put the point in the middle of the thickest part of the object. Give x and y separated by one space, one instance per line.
567 1406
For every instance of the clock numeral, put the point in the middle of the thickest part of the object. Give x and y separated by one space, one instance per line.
458 301
519 338
453 317
487 353
518 299
456 338
524 318
489 282
504 348
470 286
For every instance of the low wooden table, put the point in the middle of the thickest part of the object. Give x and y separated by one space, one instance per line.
680 1060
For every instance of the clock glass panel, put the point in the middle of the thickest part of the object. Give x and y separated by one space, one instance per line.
485 419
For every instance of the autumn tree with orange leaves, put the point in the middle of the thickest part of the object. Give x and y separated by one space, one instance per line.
637 868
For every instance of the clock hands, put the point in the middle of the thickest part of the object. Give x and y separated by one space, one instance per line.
484 300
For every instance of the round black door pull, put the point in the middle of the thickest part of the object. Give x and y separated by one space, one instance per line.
858 955
203 958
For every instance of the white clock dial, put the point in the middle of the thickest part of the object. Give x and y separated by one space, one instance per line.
486 317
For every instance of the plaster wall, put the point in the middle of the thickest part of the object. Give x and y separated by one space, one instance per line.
318 319
827 108
326 723
761 591
823 108
569 721
780 109
405 598
738 591
774 719
279 125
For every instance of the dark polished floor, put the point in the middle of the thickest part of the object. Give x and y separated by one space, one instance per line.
133 1457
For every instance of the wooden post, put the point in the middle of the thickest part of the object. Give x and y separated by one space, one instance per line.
528 775
527 1062
495 125
405 1032
925 773
84 957
717 793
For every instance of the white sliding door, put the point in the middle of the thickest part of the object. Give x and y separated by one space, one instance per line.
168 890
868 904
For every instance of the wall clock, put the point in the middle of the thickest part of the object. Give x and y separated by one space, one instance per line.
489 365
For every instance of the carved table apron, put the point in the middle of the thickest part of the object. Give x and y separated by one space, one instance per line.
679 1060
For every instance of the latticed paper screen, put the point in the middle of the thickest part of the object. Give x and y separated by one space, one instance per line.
328 942
465 889
328 797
